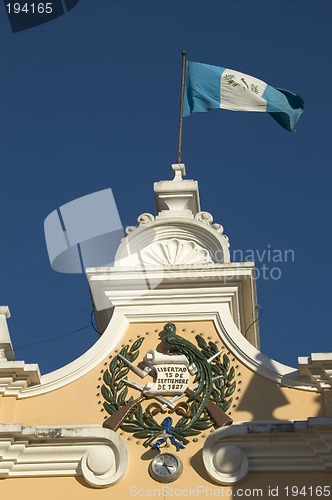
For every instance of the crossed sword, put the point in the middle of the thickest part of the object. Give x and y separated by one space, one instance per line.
115 420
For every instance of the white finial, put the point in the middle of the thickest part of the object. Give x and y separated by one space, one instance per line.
179 170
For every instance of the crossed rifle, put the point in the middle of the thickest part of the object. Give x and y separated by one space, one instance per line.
113 422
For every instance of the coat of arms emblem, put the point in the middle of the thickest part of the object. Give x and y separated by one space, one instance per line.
192 384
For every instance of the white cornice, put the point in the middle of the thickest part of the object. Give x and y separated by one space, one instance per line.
16 376
209 283
230 453
97 454
317 368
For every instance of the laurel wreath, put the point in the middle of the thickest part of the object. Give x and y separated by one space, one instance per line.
230 79
141 423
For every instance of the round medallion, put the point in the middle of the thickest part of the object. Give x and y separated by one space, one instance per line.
165 468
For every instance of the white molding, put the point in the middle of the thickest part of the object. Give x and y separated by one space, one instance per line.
177 196
16 376
83 364
205 283
317 368
97 454
124 315
230 453
6 348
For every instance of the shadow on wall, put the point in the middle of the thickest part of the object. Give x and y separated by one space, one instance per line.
263 397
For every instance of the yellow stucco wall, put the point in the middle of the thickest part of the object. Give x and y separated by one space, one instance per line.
80 402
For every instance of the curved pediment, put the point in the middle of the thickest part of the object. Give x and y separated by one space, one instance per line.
173 242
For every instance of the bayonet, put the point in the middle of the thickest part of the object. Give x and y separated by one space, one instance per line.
135 369
214 356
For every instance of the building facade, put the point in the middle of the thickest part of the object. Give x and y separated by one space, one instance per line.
175 398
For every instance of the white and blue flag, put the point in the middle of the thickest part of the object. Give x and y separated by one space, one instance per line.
211 87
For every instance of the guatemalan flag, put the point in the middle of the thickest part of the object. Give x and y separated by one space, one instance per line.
210 87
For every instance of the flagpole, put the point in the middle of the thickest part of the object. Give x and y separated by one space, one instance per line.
183 74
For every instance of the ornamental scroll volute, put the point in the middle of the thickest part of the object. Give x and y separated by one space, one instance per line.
177 390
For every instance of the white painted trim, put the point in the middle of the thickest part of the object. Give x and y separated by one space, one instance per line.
16 376
97 454
268 446
317 368
82 365
204 283
124 315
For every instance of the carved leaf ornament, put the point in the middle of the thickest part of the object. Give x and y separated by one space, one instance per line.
208 399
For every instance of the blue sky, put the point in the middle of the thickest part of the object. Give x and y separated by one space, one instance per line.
90 101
